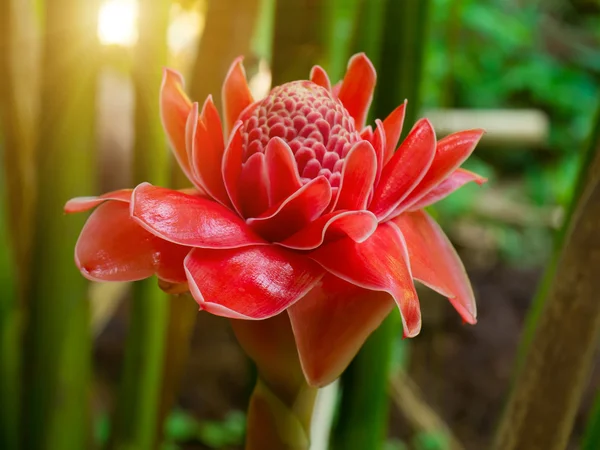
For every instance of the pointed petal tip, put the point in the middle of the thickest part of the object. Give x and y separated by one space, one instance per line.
172 74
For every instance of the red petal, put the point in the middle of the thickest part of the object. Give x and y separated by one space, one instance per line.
81 204
379 144
113 247
357 225
232 166
282 171
358 175
380 264
366 134
405 170
295 212
175 107
458 179
188 220
357 88
236 94
393 129
249 283
210 117
319 76
254 186
206 157
331 323
434 262
450 153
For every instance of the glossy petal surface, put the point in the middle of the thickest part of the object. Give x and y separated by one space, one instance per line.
405 170
282 171
458 179
294 213
249 283
393 129
175 106
232 166
356 91
206 156
81 204
331 323
435 263
379 144
356 225
320 77
113 247
381 264
188 220
358 175
450 153
254 186
236 94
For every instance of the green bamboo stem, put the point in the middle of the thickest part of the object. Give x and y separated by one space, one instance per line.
17 141
362 421
137 406
543 404
18 39
9 341
363 413
58 344
300 38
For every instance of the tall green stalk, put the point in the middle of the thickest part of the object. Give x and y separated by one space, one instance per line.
58 344
558 357
17 141
300 38
138 402
362 421
591 437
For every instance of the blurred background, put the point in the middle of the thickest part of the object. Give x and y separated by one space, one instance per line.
96 365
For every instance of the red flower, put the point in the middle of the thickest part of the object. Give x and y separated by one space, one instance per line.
297 207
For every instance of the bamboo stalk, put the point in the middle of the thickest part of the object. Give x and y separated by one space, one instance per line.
300 38
559 354
57 358
137 407
17 139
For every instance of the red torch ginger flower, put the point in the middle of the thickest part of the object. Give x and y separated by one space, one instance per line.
297 206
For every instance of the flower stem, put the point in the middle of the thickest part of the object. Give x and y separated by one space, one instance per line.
58 339
281 405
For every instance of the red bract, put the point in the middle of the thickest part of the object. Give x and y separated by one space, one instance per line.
297 206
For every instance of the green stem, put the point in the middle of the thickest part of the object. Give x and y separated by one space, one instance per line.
591 437
137 407
362 421
299 39
542 407
17 140
138 402
58 342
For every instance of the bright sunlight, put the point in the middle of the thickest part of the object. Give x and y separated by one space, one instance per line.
117 22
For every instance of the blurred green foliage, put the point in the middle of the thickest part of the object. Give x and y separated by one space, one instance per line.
513 54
